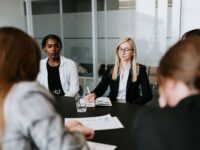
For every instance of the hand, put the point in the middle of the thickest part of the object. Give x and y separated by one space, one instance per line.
90 98
73 123
78 126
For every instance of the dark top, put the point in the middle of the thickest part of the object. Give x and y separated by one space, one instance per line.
169 128
54 80
132 89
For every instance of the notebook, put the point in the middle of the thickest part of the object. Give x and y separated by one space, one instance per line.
100 101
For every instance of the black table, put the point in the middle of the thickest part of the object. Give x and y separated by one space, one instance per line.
125 113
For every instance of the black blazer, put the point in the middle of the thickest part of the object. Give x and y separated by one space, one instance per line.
132 89
170 128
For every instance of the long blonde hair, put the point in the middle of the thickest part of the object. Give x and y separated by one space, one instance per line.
19 61
134 66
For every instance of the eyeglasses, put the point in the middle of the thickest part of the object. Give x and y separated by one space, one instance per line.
124 50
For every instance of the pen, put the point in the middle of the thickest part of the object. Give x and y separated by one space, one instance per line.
88 90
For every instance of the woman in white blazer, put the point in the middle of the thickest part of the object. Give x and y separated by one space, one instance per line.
57 73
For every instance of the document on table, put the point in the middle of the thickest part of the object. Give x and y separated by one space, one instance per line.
100 146
99 123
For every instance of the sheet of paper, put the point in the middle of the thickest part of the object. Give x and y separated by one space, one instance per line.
100 146
98 123
117 123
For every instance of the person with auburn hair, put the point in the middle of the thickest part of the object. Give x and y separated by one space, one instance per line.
29 113
125 78
191 33
57 73
177 125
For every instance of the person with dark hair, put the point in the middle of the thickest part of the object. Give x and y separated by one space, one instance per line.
177 125
57 73
29 118
191 33
128 80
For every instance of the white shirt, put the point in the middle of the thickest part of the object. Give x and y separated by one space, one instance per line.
68 75
121 97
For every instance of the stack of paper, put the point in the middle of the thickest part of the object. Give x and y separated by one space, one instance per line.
99 123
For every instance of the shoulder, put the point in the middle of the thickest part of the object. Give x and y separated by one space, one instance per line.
67 61
190 104
29 100
43 61
109 69
141 66
26 89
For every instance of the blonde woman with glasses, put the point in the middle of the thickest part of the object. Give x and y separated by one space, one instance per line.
125 78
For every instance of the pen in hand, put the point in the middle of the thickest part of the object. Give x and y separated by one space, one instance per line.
89 96
88 90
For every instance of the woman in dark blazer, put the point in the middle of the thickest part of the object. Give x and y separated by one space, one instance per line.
177 125
128 81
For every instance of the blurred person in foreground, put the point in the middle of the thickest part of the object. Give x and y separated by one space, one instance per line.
29 116
177 125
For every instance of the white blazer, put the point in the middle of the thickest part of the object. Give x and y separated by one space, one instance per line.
68 75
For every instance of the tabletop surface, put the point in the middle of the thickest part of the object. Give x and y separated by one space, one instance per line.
125 113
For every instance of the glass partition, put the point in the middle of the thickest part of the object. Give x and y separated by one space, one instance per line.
77 25
46 19
154 25
148 22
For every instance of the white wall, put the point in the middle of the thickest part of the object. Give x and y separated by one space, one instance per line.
12 13
190 15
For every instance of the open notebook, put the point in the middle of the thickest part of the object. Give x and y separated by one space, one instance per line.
100 101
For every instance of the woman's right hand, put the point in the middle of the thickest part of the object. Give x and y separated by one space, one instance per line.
76 126
90 98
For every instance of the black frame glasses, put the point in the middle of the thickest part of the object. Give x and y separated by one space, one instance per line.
126 50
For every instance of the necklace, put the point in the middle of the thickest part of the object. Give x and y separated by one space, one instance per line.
54 64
